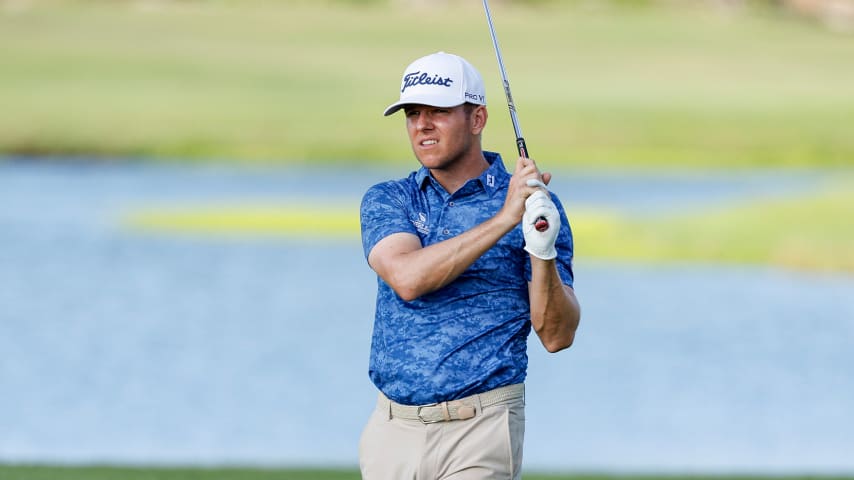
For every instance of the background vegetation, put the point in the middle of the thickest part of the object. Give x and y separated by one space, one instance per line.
605 84
629 85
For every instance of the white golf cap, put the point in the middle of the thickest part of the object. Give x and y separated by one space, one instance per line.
439 80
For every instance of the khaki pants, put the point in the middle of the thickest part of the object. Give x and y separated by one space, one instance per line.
486 446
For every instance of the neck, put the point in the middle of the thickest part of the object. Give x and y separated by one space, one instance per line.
453 177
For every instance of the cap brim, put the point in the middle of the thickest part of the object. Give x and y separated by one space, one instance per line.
421 100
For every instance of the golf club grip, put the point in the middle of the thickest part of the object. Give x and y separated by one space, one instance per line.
541 225
523 149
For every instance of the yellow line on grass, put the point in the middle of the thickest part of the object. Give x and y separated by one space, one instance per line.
813 232
324 222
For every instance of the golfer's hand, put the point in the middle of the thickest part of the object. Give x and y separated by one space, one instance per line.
521 188
540 244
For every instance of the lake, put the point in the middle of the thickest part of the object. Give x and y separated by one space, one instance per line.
122 346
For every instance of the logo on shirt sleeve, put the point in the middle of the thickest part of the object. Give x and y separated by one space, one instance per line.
420 223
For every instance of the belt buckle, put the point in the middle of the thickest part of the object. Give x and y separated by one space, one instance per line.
423 420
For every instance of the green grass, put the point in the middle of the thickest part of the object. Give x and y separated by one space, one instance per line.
305 81
311 222
156 473
808 232
813 233
300 81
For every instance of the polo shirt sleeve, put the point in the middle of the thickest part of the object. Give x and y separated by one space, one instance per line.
564 247
384 211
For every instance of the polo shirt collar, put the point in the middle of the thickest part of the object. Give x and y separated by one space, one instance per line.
489 179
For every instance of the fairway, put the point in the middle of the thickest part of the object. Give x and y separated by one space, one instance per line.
296 82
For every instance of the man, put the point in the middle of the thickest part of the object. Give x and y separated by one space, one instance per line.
463 275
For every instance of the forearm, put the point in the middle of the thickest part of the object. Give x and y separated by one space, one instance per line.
555 312
423 270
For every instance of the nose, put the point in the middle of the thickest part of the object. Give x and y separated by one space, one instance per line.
424 122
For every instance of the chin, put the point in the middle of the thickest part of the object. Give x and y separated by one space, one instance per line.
431 161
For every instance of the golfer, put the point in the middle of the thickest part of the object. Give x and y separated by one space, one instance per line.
463 275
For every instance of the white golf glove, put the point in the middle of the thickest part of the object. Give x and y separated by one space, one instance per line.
540 244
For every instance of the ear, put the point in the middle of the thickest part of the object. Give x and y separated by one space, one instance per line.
478 119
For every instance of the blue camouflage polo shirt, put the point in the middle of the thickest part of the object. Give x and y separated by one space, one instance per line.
471 335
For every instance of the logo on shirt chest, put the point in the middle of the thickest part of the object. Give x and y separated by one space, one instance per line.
420 222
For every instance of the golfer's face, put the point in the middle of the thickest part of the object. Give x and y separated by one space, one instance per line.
439 135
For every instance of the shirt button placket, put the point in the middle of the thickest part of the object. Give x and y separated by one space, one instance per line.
447 231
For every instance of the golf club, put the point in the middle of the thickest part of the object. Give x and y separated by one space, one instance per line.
541 224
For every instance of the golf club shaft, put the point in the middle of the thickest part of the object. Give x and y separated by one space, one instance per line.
520 141
541 224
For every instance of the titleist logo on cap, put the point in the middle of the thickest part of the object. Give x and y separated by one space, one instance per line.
438 80
419 78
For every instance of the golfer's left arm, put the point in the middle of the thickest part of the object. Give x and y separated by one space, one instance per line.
555 312
554 308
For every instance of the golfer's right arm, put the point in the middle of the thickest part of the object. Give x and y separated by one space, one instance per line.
413 270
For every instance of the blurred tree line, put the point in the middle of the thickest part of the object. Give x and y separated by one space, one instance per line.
837 15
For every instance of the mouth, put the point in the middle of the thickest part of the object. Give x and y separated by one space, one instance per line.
429 142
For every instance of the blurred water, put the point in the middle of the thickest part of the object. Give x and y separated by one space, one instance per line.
122 347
